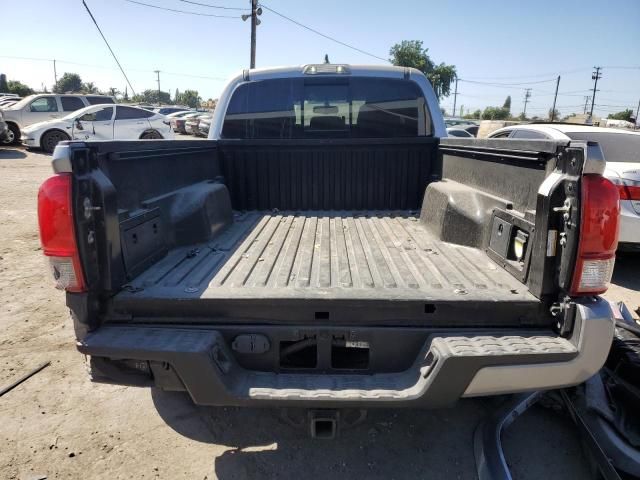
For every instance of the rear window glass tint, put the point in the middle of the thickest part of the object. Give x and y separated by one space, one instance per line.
327 107
128 113
99 100
532 134
71 104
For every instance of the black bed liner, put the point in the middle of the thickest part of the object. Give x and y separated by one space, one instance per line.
271 257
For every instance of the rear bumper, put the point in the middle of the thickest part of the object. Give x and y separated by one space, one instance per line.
447 367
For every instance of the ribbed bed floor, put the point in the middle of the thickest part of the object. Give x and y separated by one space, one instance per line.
382 255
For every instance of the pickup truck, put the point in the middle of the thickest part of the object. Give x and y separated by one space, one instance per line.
327 247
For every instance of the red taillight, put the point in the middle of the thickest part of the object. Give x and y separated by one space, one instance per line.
629 190
598 236
57 235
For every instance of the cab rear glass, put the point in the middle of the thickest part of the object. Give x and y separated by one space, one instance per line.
327 107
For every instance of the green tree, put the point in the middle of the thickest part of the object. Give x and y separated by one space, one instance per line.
89 87
189 98
3 83
151 96
69 82
175 97
19 88
410 53
507 104
474 115
114 91
522 117
625 115
495 113
555 113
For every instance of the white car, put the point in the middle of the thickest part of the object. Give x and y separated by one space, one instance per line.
45 106
621 149
98 122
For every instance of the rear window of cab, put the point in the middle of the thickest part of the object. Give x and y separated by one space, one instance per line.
327 107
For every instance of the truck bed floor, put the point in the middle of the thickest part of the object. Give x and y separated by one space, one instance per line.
327 255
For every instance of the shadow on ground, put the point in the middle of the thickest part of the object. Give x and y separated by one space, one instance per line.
10 153
434 444
626 272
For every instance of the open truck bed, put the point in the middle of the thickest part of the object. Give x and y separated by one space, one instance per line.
328 272
326 256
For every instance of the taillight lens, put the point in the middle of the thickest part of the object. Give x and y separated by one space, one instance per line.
57 235
598 236
628 189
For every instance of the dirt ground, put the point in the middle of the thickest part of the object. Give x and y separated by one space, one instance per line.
59 425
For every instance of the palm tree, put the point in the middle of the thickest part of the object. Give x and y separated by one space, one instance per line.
90 87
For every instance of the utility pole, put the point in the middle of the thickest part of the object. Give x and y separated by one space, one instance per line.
637 112
158 80
594 76
553 109
455 96
55 73
256 11
254 24
527 96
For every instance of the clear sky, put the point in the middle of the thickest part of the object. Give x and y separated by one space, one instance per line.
491 41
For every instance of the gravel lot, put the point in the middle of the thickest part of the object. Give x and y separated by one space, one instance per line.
59 425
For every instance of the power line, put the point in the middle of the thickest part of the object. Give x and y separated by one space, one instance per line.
623 67
222 79
541 75
321 34
214 6
495 84
108 46
181 11
69 62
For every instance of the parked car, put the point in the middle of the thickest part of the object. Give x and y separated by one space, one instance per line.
204 125
306 258
98 122
472 129
170 109
621 149
4 131
173 115
191 123
458 132
178 123
9 102
4 96
45 106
